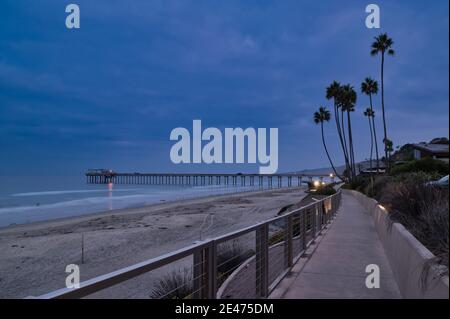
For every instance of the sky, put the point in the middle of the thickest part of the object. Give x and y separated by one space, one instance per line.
109 94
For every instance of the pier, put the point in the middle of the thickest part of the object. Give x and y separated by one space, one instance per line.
103 176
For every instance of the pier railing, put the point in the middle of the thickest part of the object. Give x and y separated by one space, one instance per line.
104 176
277 244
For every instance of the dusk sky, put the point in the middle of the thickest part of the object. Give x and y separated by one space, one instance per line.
109 94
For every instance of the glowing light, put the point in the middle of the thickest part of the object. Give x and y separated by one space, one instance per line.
316 183
382 207
331 175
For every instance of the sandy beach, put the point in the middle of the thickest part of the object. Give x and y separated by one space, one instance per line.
33 257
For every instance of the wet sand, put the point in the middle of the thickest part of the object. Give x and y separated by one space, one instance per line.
33 257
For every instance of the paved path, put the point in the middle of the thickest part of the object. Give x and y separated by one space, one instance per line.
336 269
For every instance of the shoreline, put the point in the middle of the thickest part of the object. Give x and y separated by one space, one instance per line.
131 209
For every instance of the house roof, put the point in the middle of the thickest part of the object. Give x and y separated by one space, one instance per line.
432 148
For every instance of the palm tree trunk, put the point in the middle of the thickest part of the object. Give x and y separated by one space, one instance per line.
382 108
339 130
326 151
371 143
371 152
347 162
374 134
350 143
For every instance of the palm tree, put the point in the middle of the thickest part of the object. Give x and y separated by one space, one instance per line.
321 116
383 44
347 101
370 114
389 146
332 92
370 87
339 101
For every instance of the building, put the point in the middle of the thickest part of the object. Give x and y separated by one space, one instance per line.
367 168
427 150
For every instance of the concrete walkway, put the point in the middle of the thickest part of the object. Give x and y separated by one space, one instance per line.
336 269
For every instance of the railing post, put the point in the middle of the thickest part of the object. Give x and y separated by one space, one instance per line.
288 247
333 205
304 229
199 274
322 216
211 270
314 221
205 272
262 261
337 201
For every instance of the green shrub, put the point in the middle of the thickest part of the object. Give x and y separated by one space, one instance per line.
178 284
231 255
358 183
416 177
346 186
379 183
378 187
426 165
175 285
423 210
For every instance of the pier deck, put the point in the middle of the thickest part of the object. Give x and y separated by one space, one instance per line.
202 179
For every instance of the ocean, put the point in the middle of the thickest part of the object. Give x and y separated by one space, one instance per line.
26 199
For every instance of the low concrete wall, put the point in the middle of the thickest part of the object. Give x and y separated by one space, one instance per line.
407 256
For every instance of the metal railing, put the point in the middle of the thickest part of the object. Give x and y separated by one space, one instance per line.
284 237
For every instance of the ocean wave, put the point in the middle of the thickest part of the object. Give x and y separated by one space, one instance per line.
63 192
28 212
80 203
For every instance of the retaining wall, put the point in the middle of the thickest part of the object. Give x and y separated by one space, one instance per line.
406 255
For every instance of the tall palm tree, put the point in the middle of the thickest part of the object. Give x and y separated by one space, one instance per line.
383 44
370 87
321 116
347 101
332 92
370 114
340 97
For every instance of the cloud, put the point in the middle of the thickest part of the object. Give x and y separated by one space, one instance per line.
136 70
